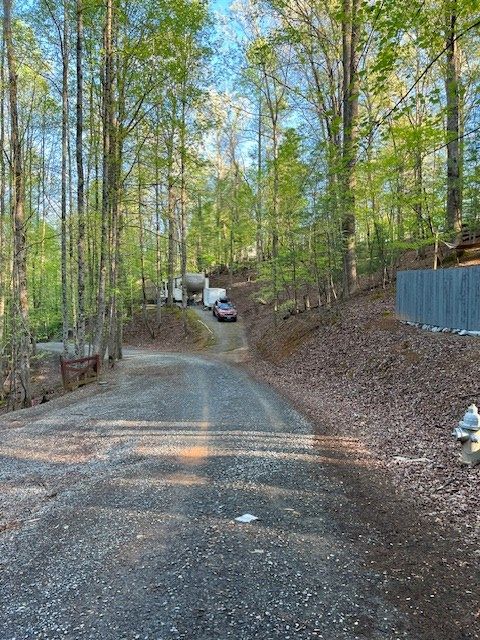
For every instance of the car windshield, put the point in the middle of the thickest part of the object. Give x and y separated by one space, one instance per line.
225 305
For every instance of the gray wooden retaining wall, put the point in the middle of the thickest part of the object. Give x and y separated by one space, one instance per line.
442 298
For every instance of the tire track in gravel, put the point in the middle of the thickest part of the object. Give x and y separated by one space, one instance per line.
142 543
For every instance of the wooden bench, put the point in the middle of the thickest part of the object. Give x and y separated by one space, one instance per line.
466 239
79 371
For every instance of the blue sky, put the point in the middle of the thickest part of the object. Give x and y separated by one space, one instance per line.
220 5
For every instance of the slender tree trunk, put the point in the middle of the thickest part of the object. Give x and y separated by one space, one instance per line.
158 246
171 241
64 47
141 240
72 239
454 204
110 339
92 204
119 280
171 221
218 200
20 308
183 212
275 212
80 189
293 249
42 218
273 104
234 213
350 37
98 343
3 178
418 204
28 170
117 136
199 247
259 203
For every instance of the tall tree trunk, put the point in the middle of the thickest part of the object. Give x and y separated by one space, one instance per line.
350 37
171 221
42 217
80 189
107 116
233 212
3 178
117 135
92 204
418 203
183 212
199 243
117 267
141 240
72 239
273 103
20 307
454 204
158 246
259 202
64 47
275 213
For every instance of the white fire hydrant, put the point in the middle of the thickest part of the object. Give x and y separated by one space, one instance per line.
468 433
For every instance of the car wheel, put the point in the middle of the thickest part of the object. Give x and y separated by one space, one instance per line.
219 319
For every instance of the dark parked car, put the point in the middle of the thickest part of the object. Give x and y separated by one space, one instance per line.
224 310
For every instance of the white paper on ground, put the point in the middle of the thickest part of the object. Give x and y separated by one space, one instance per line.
247 517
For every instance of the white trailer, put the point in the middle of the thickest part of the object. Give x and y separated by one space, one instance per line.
212 294
194 284
177 289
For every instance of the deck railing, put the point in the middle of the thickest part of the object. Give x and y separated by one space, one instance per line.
79 371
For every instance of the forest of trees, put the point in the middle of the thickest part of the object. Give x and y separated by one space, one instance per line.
313 139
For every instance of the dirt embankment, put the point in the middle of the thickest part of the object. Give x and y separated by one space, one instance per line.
142 331
361 373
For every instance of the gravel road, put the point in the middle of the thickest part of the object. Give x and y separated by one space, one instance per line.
230 337
118 506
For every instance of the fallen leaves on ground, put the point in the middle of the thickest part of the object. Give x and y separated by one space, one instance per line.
400 390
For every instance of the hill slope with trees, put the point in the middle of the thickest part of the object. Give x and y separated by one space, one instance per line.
140 140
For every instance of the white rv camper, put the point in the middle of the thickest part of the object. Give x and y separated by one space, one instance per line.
195 284
211 295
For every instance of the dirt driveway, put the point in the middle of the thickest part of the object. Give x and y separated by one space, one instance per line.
118 509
